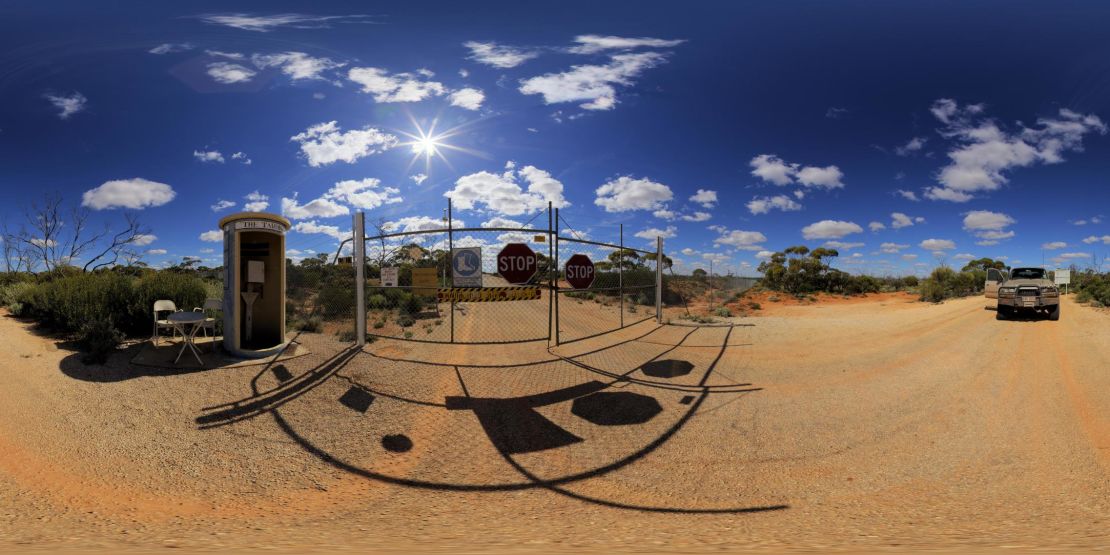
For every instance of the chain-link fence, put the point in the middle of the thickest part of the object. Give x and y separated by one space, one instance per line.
417 287
621 293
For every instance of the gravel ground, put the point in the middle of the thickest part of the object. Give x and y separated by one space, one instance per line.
872 426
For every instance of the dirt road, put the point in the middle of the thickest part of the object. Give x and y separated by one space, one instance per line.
857 426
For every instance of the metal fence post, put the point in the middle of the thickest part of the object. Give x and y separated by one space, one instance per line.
360 278
556 290
620 273
450 248
659 280
550 277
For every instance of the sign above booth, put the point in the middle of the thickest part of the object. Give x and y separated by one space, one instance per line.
260 225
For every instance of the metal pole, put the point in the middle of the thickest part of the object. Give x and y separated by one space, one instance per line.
450 253
550 280
556 290
360 278
659 280
620 273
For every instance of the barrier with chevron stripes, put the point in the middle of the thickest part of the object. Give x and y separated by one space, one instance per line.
487 294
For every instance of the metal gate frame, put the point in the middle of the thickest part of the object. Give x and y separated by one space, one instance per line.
554 240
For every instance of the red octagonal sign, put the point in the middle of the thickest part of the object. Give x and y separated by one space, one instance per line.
580 271
516 263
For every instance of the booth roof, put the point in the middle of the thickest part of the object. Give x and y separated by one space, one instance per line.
254 216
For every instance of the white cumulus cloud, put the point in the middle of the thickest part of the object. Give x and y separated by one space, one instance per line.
68 104
135 193
773 169
497 55
743 240
325 143
937 245
256 202
763 205
830 229
592 85
502 193
208 156
397 87
213 236
222 205
626 193
297 65
468 98
705 197
229 73
592 44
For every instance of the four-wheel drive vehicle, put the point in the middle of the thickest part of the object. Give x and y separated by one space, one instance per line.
1028 290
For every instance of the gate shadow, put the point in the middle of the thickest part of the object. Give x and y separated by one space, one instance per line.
512 426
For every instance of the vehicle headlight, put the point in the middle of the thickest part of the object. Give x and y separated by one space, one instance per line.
1007 290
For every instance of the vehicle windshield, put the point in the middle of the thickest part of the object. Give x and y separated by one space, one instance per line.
1027 273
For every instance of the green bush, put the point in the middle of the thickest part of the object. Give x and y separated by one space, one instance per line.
932 291
411 304
312 324
186 292
14 295
337 298
405 320
755 306
98 339
722 311
377 301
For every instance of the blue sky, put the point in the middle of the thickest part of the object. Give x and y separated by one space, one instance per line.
904 134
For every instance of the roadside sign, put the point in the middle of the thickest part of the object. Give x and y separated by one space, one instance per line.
516 263
466 266
540 238
425 282
1063 277
580 271
389 276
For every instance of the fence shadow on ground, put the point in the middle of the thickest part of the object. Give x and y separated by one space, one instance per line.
512 425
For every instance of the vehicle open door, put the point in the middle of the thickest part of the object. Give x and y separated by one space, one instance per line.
994 281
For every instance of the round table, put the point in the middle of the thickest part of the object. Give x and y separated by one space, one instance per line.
181 320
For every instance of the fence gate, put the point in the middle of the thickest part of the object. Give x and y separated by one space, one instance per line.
449 285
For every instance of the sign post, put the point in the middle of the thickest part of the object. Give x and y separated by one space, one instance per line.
466 266
580 271
1063 277
517 263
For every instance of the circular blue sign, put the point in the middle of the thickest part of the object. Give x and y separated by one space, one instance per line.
466 263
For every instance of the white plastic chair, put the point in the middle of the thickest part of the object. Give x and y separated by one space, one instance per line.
160 324
209 323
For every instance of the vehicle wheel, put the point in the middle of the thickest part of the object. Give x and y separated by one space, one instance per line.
1001 313
1054 314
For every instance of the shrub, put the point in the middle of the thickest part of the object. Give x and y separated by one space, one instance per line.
755 306
411 304
379 324
932 291
337 298
184 290
14 296
98 339
377 301
311 324
405 320
722 311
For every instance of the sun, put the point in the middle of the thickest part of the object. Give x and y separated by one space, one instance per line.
428 144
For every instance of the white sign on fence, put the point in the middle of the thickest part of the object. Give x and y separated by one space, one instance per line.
466 267
1063 277
389 276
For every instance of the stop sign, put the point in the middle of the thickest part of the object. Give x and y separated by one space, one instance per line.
516 263
580 271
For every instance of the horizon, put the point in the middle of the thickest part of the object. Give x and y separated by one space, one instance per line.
731 131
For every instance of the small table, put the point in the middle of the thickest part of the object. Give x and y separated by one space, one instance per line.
191 319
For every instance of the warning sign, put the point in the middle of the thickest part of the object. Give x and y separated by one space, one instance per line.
488 294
